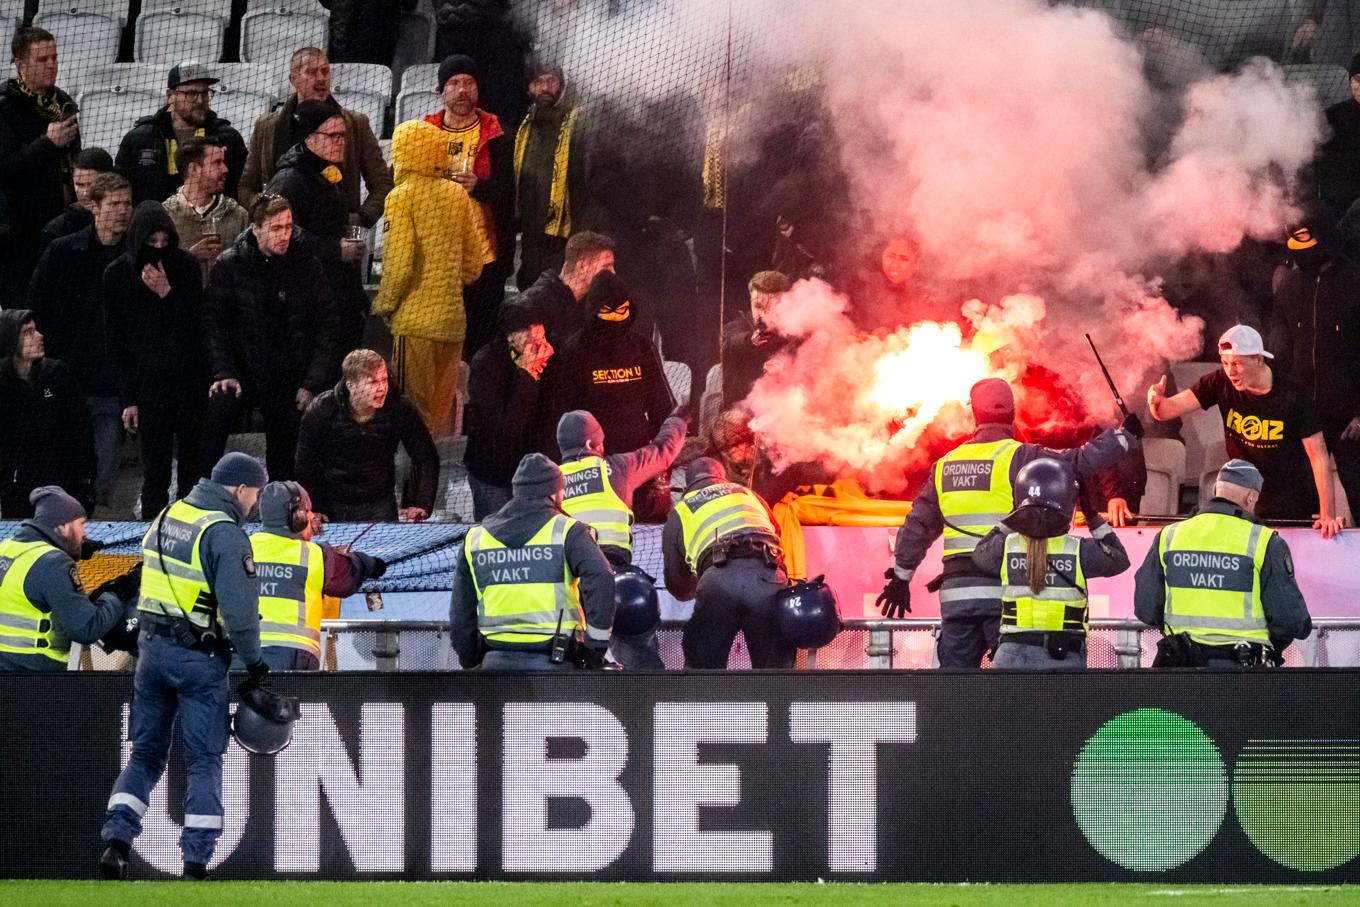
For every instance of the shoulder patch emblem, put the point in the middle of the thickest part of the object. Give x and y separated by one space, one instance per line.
1289 563
75 580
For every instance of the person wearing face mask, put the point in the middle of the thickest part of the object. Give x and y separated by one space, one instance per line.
43 605
1317 331
615 373
504 400
435 247
153 294
347 448
309 177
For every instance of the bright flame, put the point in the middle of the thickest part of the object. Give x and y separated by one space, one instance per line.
931 368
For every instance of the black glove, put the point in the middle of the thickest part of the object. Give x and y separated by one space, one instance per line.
590 654
379 568
121 638
255 675
89 548
1133 425
125 588
895 600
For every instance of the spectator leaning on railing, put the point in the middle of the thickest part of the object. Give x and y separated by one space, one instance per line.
347 448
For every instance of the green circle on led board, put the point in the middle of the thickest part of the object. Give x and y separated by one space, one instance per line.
1149 790
1299 801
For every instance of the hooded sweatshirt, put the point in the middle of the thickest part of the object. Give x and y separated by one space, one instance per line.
157 343
610 370
435 243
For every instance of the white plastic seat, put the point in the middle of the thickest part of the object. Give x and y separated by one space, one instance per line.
84 36
1214 458
245 93
1331 83
108 114
176 31
273 31
365 88
416 105
1165 458
1201 430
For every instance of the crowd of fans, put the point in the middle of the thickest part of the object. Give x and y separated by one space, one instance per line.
174 286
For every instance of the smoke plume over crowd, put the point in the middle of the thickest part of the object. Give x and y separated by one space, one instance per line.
1019 147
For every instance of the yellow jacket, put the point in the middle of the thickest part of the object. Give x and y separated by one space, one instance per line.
435 243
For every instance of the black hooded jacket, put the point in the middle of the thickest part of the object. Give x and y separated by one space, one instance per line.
46 437
613 372
319 218
270 321
144 155
350 469
157 343
67 296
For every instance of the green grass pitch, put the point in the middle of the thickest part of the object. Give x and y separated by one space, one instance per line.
624 894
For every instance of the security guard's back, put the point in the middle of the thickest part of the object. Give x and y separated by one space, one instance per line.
530 582
721 548
1220 585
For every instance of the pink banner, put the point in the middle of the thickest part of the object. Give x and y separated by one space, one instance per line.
854 558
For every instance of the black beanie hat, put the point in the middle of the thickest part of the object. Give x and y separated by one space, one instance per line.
457 65
607 290
311 114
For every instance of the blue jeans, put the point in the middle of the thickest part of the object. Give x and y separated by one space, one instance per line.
1019 657
504 660
106 427
174 682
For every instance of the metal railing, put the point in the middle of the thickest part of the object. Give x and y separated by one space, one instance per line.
422 645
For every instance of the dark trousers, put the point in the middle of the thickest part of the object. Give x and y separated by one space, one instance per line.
738 596
281 421
538 252
482 304
171 427
964 640
1347 455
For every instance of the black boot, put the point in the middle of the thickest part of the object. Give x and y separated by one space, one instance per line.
113 862
196 872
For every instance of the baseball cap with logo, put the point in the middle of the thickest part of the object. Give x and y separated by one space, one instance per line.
1242 340
191 71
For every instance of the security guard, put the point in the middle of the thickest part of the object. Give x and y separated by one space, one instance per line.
721 549
970 491
295 574
198 577
530 580
1044 568
43 606
599 492
1220 585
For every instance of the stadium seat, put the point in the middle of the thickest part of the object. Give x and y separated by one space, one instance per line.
87 31
1215 455
106 114
1201 430
418 97
711 402
145 77
169 31
246 93
1331 83
1165 474
677 376
274 29
416 32
365 88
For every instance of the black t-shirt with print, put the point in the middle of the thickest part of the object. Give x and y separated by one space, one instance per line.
1267 430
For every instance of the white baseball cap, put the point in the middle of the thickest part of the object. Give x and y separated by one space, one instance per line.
1243 341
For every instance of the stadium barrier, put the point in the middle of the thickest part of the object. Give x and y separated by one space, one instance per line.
981 776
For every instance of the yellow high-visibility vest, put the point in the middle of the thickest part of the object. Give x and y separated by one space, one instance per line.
1061 605
1212 563
708 514
25 629
173 583
973 484
290 573
589 497
524 594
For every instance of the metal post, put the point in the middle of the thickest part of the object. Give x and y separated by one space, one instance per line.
1128 645
880 649
385 650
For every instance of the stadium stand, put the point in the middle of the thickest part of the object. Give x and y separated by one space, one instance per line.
273 29
247 91
364 87
418 95
87 31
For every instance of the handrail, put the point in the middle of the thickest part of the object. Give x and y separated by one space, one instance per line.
383 624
